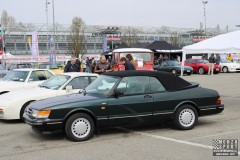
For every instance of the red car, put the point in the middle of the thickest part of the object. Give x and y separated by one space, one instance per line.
201 66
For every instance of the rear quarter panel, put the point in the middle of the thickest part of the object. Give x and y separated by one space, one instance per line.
170 101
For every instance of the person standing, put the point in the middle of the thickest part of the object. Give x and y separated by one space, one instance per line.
71 66
211 60
229 57
84 64
130 58
128 65
218 59
178 58
93 65
160 59
103 66
88 62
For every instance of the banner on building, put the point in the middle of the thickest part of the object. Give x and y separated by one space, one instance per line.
52 48
35 51
104 41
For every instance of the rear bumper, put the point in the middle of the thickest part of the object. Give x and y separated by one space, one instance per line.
44 126
211 110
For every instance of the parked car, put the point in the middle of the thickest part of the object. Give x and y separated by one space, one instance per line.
60 84
124 98
201 66
173 66
143 57
228 66
19 66
54 68
23 78
3 71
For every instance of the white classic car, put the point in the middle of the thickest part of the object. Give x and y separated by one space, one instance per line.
23 78
228 66
13 104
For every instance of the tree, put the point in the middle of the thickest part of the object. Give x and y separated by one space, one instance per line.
76 45
130 36
175 40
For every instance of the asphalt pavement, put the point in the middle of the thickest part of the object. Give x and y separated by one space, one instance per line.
159 141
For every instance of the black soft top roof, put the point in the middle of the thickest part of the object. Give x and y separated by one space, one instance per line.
169 80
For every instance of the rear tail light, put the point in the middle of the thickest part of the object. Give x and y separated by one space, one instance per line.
219 101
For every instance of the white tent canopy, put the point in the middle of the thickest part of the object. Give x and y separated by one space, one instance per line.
225 43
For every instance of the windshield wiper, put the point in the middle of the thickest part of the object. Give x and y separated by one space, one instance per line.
44 86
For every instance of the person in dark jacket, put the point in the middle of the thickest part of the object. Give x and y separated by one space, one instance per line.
72 66
218 59
211 60
128 64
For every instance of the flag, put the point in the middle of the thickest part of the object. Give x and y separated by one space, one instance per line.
35 51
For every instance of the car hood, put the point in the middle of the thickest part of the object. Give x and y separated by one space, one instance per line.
234 65
65 99
28 94
10 85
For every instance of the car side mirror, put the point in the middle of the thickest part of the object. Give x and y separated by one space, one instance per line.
118 92
69 88
80 91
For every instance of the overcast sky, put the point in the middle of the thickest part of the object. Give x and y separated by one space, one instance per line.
155 13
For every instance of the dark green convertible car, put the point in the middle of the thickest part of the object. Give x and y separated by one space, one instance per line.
174 67
124 98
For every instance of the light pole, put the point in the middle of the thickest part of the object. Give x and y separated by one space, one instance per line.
205 19
47 3
54 52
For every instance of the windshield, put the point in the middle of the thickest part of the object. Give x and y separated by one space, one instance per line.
225 61
20 76
102 85
55 82
145 57
47 66
1 67
173 63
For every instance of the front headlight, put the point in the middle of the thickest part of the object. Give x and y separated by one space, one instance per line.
41 114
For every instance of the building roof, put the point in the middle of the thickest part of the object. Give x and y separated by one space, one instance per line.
169 80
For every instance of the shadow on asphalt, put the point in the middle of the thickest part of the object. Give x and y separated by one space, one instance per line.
11 121
122 131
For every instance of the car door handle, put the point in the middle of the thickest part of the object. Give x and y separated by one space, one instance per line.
147 96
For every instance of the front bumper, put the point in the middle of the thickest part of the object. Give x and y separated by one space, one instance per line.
44 126
215 109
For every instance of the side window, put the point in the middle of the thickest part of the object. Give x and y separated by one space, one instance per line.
134 85
156 85
79 83
37 76
48 74
164 64
92 79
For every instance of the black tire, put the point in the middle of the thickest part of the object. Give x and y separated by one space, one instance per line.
82 121
182 116
23 109
201 70
225 69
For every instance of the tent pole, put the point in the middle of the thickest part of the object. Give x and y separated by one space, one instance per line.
183 60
